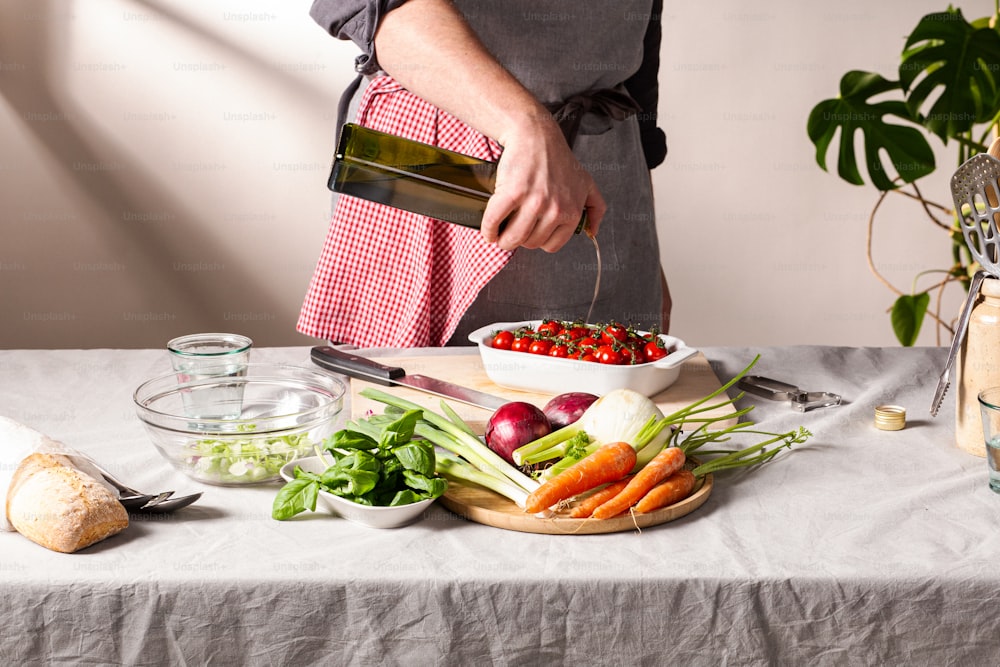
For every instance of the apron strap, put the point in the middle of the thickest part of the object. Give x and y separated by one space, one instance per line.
612 103
345 100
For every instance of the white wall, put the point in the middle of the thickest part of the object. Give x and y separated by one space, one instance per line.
163 166
762 247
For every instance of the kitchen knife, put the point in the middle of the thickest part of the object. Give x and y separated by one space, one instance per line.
363 368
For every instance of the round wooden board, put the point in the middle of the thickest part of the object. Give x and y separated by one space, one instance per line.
486 507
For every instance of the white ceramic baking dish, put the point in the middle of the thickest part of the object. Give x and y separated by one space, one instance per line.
552 375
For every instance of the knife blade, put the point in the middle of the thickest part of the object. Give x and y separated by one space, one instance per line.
363 368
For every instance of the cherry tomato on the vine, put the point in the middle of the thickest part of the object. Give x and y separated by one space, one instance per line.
607 354
612 343
560 351
549 328
540 346
632 355
635 340
614 332
503 340
654 350
521 344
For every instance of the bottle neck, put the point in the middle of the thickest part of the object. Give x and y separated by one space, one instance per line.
990 291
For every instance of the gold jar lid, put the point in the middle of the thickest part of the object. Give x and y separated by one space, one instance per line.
890 417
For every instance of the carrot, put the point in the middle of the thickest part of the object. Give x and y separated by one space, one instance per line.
673 489
661 466
608 463
587 506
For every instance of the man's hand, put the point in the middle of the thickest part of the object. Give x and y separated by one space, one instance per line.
541 191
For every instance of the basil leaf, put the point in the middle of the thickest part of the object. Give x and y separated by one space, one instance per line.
348 481
361 500
416 456
305 474
432 486
404 497
346 439
392 471
400 431
366 461
295 497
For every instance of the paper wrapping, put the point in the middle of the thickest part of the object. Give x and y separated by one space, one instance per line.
18 441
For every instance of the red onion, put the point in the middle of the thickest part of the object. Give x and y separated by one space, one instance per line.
565 409
513 425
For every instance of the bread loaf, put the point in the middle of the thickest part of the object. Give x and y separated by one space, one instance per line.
61 508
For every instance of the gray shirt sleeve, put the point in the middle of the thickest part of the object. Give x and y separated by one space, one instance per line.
355 20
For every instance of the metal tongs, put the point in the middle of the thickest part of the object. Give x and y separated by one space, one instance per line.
975 190
774 390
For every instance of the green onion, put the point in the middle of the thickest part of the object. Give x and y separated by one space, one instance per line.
452 468
459 440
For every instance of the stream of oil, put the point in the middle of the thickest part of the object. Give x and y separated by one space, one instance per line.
597 280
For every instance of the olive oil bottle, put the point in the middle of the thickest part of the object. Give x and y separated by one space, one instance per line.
413 176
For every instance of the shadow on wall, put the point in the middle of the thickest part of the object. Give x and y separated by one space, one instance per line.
152 283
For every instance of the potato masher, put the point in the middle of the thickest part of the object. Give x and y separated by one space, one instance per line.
975 190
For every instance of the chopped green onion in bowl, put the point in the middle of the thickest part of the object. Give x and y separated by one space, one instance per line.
244 461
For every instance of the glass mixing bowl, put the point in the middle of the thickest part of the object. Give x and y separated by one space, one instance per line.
234 426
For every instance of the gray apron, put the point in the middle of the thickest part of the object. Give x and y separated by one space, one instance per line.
558 49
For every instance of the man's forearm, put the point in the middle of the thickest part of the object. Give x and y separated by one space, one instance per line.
427 46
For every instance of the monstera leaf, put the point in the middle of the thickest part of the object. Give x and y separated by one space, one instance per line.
906 147
959 60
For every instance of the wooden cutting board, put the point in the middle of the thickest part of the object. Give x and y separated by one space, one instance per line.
696 380
486 507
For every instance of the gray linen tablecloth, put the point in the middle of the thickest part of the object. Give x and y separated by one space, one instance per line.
862 547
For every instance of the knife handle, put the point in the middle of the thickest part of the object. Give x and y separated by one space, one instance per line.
355 366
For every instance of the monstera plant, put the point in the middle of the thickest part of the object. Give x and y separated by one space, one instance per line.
947 89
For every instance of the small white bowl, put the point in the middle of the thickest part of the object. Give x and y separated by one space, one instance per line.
366 515
553 375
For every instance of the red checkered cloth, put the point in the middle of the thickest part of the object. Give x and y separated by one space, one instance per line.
390 278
